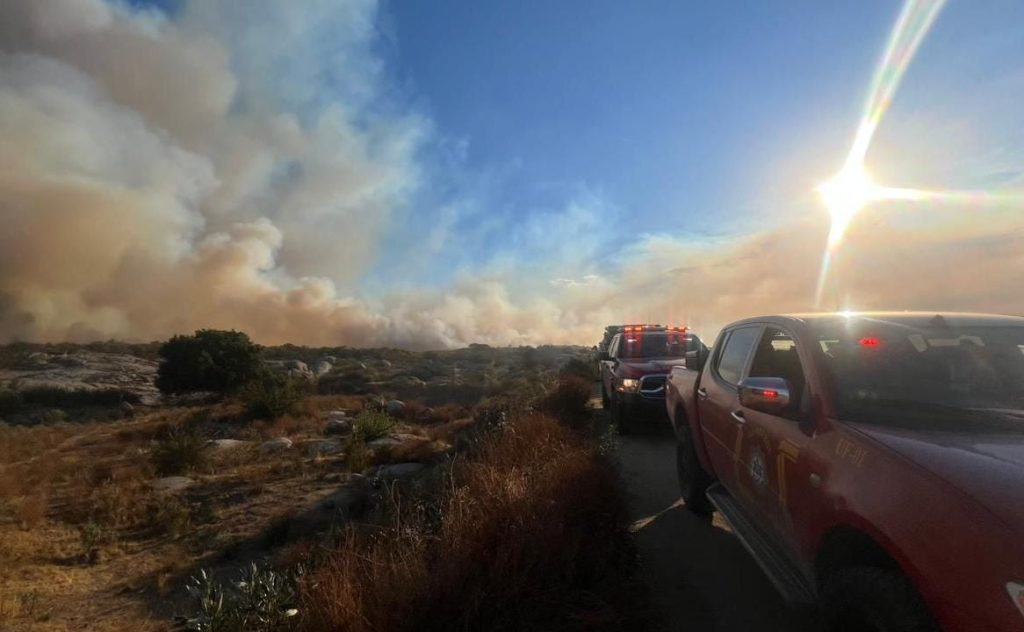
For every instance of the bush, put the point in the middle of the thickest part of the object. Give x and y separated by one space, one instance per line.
270 395
584 369
372 424
182 449
264 600
568 400
210 360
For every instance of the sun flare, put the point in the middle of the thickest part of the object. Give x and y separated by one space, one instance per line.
844 196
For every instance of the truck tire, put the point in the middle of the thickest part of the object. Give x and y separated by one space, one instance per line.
693 480
620 418
868 599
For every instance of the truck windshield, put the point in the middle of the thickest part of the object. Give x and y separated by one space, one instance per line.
948 378
655 344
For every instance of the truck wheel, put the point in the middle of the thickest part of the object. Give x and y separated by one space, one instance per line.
868 599
693 480
621 418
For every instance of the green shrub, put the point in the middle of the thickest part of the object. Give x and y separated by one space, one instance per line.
568 400
183 448
270 395
264 600
372 424
210 360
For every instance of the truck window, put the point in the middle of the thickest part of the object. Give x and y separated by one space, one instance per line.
776 356
735 353
954 378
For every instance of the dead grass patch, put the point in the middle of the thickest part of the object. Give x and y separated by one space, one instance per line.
530 533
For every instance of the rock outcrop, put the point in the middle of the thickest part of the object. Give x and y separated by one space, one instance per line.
86 373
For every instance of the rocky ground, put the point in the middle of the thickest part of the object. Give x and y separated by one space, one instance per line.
84 373
108 508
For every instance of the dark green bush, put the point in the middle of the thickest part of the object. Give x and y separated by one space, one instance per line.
270 395
567 401
210 360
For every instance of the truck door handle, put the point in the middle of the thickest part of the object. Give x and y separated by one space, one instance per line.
738 416
702 393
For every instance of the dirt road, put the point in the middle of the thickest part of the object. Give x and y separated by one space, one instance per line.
700 576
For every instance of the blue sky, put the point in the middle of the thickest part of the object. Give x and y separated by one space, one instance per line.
436 173
691 119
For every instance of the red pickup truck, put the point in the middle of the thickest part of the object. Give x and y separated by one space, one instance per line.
872 463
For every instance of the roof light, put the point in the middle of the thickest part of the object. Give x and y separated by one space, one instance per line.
870 342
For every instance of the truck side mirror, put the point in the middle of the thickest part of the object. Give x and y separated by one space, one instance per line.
765 394
694 360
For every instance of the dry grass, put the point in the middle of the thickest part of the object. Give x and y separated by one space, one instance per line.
530 533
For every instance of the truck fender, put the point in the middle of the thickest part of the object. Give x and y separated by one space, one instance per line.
851 540
683 415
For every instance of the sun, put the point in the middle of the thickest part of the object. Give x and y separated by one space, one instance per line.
844 196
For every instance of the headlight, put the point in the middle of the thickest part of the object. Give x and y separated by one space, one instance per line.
628 385
1016 590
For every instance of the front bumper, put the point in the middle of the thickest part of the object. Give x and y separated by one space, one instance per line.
649 401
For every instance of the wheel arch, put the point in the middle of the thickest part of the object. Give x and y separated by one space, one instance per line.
680 420
846 546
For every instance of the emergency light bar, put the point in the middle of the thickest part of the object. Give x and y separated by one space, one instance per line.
631 328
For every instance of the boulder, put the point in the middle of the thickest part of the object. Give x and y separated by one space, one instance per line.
322 368
82 373
409 380
171 484
337 427
275 445
226 444
337 414
384 442
351 501
323 447
394 407
400 470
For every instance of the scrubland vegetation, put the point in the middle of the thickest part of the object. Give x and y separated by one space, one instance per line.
483 500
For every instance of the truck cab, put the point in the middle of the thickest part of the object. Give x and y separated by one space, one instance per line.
872 463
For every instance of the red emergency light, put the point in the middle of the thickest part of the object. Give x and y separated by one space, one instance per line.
870 342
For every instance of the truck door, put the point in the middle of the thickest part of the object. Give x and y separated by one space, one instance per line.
608 366
775 461
718 401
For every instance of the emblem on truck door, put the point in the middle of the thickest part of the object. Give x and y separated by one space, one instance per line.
758 468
